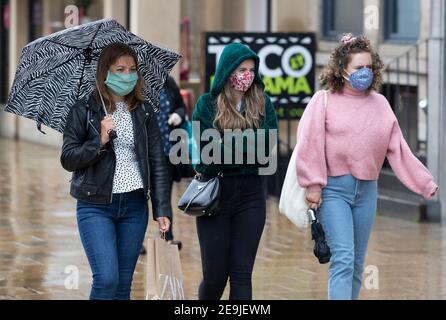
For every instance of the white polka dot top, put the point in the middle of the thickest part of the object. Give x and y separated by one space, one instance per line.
127 175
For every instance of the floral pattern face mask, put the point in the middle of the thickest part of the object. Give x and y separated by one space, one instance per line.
242 81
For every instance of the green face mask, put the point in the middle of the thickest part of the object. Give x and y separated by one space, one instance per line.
121 83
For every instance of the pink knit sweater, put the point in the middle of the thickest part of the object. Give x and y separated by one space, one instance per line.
353 136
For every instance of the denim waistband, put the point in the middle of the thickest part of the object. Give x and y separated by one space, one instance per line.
129 195
350 187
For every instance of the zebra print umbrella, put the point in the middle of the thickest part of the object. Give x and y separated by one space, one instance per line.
56 71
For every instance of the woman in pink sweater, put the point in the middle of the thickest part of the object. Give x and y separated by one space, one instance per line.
341 150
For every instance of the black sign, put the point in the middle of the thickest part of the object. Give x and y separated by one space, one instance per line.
287 65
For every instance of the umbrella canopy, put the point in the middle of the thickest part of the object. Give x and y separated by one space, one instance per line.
321 249
57 70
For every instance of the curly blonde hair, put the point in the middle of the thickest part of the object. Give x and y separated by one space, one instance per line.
331 77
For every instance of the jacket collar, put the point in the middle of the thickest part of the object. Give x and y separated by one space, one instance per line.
97 107
139 115
93 104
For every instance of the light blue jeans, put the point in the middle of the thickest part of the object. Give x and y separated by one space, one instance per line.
347 214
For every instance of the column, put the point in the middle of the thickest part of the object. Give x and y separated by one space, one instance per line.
234 20
116 9
294 16
18 32
256 16
372 21
157 21
213 15
436 152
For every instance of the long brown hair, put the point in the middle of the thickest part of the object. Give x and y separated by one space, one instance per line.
227 116
109 55
331 77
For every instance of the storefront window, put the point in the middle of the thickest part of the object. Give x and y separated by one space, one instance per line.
340 16
51 16
402 20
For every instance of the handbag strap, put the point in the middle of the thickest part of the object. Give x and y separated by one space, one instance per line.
325 99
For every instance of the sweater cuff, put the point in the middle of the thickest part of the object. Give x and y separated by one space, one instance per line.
314 188
430 189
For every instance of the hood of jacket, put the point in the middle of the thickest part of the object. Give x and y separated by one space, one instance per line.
232 56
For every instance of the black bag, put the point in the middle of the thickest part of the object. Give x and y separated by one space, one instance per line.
321 249
201 196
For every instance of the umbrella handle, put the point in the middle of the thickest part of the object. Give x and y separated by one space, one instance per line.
111 133
311 215
102 99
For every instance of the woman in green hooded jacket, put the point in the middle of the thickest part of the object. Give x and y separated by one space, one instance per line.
229 238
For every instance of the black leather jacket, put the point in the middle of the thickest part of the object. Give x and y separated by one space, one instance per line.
93 168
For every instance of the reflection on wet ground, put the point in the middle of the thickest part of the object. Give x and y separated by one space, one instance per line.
41 253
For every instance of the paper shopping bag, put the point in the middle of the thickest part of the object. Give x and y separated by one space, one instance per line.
164 273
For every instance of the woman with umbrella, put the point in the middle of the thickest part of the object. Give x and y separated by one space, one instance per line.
112 144
340 152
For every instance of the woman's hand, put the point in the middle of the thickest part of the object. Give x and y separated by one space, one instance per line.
434 192
163 224
106 125
313 199
174 120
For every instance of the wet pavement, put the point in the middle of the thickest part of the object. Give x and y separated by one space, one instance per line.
41 254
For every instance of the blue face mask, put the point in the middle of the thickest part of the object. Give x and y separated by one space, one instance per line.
361 79
121 83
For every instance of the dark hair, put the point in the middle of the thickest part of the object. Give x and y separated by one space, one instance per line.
331 77
109 55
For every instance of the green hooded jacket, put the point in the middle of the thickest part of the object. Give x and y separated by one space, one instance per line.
205 109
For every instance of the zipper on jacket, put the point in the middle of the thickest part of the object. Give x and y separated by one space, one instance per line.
141 164
94 128
113 148
147 149
114 167
114 170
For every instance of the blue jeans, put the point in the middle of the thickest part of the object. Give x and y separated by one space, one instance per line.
112 236
347 214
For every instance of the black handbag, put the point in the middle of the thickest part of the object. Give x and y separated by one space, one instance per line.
202 196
